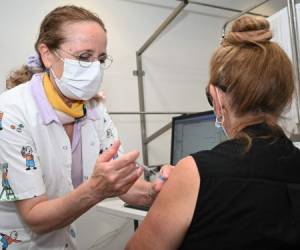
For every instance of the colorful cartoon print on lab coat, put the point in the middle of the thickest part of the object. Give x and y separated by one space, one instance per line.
18 127
72 232
1 116
6 188
6 240
27 154
109 133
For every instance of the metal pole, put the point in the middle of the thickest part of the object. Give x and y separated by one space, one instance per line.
139 73
161 28
240 14
293 23
223 8
142 108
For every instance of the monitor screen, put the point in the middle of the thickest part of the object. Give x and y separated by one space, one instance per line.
297 144
193 133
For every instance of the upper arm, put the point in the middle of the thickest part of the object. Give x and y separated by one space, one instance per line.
20 171
170 216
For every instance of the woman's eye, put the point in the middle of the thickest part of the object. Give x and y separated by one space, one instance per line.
85 57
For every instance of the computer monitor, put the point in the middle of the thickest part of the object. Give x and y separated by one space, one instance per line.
193 133
297 144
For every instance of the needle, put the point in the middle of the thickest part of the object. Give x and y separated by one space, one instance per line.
146 169
150 171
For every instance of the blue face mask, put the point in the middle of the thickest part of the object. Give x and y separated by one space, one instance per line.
221 130
220 119
218 124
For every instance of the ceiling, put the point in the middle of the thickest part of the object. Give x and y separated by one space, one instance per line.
267 8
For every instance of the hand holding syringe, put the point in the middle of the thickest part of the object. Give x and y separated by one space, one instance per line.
150 171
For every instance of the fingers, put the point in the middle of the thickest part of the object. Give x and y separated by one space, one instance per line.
166 170
111 152
127 181
114 177
159 182
126 159
127 169
126 187
129 173
164 174
157 185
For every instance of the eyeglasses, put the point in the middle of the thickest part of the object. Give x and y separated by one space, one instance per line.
85 59
209 97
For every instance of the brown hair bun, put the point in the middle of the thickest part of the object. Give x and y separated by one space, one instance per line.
248 30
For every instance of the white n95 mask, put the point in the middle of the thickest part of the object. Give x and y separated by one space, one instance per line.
78 82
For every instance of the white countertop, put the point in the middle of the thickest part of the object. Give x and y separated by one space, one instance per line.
116 207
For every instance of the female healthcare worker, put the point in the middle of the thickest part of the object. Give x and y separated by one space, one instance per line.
53 128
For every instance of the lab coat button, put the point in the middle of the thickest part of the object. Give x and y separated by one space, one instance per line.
65 147
92 143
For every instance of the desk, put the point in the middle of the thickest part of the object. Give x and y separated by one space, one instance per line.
116 207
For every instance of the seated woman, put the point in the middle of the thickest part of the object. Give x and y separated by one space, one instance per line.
245 192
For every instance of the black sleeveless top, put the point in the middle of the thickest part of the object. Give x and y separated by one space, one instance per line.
247 200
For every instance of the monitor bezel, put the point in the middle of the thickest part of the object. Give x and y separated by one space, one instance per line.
182 117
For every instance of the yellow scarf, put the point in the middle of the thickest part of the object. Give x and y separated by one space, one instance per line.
77 108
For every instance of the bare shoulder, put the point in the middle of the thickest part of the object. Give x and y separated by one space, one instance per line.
187 168
182 187
187 162
183 182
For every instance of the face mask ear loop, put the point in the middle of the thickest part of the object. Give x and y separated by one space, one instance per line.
220 119
51 70
53 74
59 57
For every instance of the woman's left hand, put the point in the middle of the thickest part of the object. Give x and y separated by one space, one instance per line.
144 192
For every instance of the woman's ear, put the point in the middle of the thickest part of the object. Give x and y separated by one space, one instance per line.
217 99
46 55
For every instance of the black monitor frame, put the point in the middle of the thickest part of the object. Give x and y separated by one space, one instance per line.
183 117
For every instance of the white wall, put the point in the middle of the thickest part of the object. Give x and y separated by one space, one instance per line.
176 67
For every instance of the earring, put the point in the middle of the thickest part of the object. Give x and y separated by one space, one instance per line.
219 119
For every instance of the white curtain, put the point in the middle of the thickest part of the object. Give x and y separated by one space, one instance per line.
281 34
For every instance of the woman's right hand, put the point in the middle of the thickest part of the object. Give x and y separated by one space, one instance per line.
112 178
